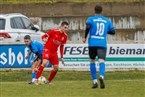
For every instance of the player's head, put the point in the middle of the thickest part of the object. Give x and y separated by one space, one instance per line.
27 39
98 9
64 27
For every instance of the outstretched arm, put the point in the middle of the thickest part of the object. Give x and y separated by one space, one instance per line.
86 32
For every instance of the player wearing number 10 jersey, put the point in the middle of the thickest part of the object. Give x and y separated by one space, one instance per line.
98 26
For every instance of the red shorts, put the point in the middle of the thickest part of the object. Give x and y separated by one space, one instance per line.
52 57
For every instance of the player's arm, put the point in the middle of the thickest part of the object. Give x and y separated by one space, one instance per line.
111 29
45 37
112 32
86 32
61 53
28 54
62 49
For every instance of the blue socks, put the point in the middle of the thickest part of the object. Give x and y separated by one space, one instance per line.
93 71
33 75
102 69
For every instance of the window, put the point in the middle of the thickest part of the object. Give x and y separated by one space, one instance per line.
27 23
2 24
17 23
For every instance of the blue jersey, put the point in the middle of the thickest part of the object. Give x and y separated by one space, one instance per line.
100 25
36 47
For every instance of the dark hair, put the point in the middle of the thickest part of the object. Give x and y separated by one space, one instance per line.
64 23
27 37
98 9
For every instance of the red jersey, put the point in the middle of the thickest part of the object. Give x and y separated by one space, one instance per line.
56 38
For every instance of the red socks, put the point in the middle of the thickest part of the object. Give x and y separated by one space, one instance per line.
52 75
40 70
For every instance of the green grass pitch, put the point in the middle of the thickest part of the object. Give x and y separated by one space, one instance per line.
73 84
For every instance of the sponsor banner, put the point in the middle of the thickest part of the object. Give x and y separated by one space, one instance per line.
113 50
13 56
118 56
109 65
76 56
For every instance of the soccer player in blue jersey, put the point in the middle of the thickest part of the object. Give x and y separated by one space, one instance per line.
36 48
98 26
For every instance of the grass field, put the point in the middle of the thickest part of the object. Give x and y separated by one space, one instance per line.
73 84
55 1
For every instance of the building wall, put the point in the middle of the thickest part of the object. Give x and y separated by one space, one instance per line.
128 18
128 28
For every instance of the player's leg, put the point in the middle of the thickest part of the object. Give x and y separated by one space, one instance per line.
102 73
41 68
53 73
39 62
34 65
45 57
92 55
102 67
54 61
33 73
101 61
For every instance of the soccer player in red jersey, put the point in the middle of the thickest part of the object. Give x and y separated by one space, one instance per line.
53 39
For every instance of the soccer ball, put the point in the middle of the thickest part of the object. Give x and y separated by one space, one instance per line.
41 80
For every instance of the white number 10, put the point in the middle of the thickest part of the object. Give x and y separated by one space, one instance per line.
100 29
